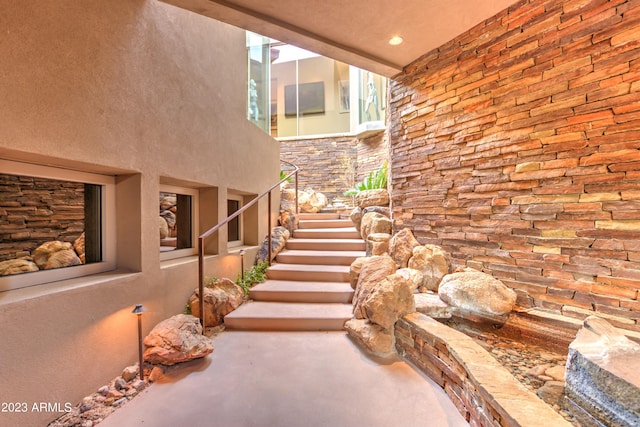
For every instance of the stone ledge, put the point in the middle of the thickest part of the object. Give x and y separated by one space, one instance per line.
484 392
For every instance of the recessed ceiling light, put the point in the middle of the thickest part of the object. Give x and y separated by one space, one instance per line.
395 40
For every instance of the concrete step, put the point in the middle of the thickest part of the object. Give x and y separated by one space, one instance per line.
325 223
326 244
309 273
289 316
294 256
327 233
294 291
317 216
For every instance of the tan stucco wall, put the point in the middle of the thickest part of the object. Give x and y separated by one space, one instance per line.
144 91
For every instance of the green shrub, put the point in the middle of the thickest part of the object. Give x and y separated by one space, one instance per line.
257 274
375 180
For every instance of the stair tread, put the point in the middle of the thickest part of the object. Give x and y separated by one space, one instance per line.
291 310
298 286
321 253
310 267
322 240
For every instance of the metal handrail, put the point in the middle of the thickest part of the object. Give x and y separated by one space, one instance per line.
237 213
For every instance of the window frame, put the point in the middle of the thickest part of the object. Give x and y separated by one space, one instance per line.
107 224
195 203
240 199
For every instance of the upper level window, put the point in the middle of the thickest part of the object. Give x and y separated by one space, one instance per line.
177 221
292 92
54 224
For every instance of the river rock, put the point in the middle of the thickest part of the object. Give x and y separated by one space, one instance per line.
220 299
374 222
175 340
433 262
477 292
17 266
401 247
377 197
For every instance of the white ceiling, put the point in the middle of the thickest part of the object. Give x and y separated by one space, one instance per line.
354 31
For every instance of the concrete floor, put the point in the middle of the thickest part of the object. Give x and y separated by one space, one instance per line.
286 379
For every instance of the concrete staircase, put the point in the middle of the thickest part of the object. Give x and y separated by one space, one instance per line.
307 288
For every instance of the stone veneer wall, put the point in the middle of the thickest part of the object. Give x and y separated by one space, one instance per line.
35 210
516 146
333 164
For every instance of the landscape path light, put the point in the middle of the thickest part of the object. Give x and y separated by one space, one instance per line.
242 264
138 310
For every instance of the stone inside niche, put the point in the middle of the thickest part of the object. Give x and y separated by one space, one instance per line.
603 375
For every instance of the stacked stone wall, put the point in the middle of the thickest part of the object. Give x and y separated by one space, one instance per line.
372 152
516 147
332 165
34 211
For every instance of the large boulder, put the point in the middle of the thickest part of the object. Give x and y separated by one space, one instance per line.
55 254
377 244
356 217
373 270
175 340
79 247
602 375
279 237
373 337
433 262
17 266
374 222
389 301
289 220
401 247
477 293
163 228
220 298
311 201
378 197
413 278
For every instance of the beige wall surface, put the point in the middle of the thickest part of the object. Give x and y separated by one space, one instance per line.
145 92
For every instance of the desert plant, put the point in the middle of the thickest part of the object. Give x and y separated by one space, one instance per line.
210 281
375 180
257 274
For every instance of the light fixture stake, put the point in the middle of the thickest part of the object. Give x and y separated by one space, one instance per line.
138 310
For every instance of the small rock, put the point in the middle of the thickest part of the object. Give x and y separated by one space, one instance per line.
156 373
130 372
120 383
115 394
139 384
556 372
119 402
103 390
85 407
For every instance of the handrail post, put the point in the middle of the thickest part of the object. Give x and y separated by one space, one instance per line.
269 226
201 279
296 177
